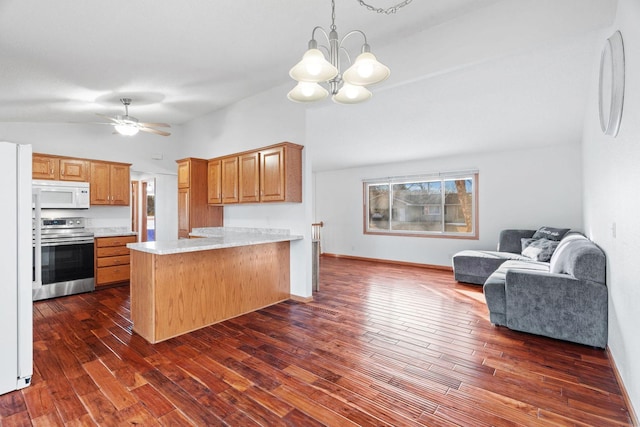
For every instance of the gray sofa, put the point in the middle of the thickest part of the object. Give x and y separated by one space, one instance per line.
565 298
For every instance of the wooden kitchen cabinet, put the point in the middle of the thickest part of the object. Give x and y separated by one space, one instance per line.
229 180
111 262
74 170
184 213
269 174
281 173
214 182
184 175
109 183
44 167
222 180
59 168
249 177
193 209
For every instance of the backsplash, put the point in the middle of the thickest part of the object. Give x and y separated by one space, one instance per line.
97 216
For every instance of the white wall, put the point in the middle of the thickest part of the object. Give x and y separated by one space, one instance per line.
262 120
611 184
97 142
517 189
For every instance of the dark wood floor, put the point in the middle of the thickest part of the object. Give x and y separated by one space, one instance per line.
380 345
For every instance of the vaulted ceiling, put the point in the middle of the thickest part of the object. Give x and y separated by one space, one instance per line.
62 61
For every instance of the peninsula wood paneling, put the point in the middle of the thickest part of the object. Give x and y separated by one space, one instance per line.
143 275
187 291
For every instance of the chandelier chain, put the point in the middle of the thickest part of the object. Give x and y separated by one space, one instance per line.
387 11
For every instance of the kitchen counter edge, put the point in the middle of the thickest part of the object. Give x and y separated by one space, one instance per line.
217 240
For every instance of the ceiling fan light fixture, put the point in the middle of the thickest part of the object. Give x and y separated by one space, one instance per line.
127 129
128 125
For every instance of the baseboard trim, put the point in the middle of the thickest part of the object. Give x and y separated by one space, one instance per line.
625 395
388 261
301 299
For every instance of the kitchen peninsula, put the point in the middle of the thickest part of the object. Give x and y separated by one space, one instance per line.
183 285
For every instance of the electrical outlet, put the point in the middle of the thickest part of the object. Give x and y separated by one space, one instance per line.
613 230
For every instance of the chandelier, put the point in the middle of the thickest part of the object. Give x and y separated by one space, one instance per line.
349 87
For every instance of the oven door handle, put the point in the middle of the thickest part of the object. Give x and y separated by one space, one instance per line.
67 243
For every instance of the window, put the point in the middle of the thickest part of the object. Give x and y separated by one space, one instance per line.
436 205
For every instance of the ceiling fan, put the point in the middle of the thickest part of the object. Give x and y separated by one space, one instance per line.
129 125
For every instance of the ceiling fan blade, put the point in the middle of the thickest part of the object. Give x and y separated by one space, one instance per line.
93 123
108 117
156 125
156 131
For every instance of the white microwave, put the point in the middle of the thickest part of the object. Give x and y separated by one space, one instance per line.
61 194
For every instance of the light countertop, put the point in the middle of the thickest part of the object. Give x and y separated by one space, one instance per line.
216 238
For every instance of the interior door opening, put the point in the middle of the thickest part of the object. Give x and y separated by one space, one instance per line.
143 209
149 208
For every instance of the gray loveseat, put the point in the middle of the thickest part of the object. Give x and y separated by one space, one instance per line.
565 298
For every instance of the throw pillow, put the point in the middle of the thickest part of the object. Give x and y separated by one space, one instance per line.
541 249
526 242
550 233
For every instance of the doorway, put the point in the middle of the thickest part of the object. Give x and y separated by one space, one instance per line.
143 209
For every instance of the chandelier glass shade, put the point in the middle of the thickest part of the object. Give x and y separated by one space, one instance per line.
346 88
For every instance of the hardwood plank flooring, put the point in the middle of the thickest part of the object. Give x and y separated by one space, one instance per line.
380 345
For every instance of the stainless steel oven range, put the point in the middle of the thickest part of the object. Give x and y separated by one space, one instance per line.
63 258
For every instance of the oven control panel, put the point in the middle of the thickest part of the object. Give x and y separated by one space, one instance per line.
76 222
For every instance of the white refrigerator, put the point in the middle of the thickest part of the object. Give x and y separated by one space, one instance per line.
16 315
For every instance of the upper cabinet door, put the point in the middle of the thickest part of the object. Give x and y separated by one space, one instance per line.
44 167
183 174
249 178
100 183
272 174
230 179
119 181
74 170
110 184
281 173
214 181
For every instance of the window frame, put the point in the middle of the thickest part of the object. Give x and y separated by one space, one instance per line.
434 177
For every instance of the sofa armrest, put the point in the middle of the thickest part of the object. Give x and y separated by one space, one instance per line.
509 240
558 306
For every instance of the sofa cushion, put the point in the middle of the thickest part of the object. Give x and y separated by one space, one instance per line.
550 233
494 286
539 250
475 266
